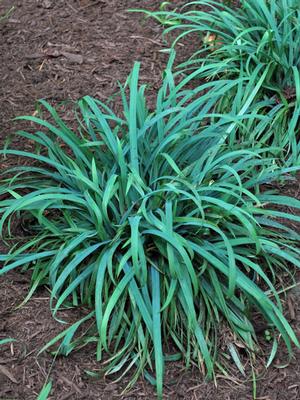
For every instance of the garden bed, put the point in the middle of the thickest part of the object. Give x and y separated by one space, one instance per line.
63 50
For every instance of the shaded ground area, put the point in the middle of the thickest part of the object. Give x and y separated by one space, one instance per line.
62 50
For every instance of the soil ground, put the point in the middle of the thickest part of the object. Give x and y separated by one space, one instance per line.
61 50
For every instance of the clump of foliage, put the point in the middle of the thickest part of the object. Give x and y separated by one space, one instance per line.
152 223
260 36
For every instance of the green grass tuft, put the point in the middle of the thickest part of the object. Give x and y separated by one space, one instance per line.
154 224
260 37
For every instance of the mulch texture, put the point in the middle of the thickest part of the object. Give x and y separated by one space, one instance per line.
60 51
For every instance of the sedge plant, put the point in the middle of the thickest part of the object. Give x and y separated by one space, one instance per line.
230 42
153 224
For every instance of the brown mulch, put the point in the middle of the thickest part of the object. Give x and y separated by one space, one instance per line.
61 50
